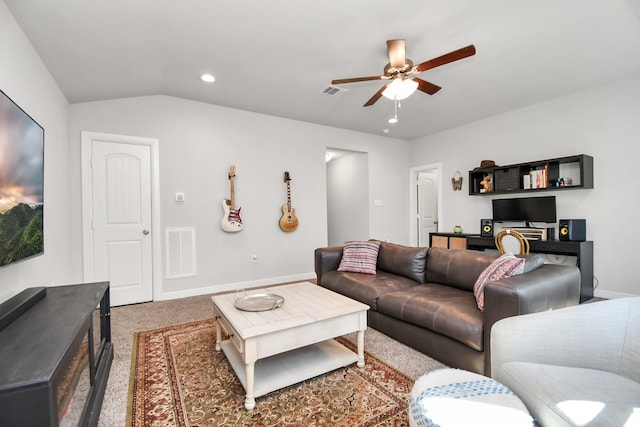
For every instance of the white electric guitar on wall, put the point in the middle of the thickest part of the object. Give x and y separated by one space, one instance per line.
231 221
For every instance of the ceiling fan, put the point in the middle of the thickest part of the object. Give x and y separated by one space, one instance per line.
400 71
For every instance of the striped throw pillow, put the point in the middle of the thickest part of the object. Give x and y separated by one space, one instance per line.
505 266
360 257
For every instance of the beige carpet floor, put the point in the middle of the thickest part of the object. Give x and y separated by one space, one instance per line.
126 320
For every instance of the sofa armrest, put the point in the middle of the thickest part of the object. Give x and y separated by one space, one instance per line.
548 287
327 259
592 335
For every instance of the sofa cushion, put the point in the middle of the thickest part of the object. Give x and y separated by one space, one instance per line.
569 396
365 288
443 309
360 257
409 262
505 266
531 262
457 267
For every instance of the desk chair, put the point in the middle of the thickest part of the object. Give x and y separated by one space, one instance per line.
508 240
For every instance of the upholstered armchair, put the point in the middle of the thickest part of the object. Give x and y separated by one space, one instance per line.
576 366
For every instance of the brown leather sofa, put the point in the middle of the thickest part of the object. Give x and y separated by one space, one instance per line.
424 297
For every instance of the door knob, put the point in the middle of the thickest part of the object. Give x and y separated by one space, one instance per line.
145 232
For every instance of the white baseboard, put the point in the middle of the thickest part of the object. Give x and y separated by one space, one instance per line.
226 287
611 295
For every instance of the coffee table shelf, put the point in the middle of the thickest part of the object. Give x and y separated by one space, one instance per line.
292 367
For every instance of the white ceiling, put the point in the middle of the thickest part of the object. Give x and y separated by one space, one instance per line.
275 57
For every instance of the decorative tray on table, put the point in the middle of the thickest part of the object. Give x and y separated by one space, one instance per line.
257 302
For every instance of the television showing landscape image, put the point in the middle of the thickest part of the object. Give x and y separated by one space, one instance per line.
21 183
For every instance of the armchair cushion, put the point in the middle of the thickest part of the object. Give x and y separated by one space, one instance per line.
568 396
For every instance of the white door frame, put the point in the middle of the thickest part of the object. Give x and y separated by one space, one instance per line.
413 202
87 203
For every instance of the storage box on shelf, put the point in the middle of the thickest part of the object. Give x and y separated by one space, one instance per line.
449 240
552 174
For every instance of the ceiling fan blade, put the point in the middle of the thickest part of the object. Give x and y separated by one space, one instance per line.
396 49
446 58
356 79
425 86
376 96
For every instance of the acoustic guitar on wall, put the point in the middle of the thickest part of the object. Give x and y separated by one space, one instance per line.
231 221
289 220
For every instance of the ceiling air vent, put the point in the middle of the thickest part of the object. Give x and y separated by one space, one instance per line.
334 91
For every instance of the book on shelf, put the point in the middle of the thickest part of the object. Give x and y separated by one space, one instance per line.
538 178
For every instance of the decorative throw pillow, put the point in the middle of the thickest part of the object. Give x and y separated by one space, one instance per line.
531 262
360 257
505 266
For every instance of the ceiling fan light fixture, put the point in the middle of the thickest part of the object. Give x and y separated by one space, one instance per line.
400 89
393 120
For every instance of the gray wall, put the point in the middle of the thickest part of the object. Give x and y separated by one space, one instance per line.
198 143
24 78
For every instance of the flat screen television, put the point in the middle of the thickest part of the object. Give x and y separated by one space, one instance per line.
527 209
21 183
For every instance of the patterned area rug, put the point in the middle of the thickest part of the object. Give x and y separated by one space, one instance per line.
178 379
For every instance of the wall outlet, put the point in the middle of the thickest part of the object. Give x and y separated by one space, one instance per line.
179 197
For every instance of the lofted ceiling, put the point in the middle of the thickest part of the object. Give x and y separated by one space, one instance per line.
276 57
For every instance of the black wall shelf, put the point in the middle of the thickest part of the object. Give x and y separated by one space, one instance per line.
564 173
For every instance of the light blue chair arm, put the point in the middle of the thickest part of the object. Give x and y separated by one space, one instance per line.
601 335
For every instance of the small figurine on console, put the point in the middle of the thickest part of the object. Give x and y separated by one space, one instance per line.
486 183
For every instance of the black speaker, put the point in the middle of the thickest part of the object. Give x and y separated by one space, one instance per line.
486 228
573 229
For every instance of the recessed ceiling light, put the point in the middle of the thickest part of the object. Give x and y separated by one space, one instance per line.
207 78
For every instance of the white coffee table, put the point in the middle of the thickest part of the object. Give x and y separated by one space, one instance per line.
269 350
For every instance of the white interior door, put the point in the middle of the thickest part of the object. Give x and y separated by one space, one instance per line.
119 244
427 205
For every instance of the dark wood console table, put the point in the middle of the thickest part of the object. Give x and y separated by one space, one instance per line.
582 250
55 356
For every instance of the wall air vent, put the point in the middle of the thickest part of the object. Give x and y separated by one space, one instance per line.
334 91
